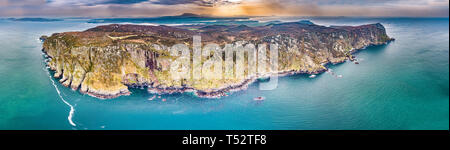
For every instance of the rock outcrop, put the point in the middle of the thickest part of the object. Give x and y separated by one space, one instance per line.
107 60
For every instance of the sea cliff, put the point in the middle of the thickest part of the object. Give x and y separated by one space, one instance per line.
106 61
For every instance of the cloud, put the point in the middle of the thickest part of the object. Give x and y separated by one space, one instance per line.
176 2
160 2
148 8
206 3
423 8
92 2
4 3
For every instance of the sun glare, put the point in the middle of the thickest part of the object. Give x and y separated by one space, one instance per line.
229 10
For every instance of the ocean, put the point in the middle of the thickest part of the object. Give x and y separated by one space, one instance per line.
403 85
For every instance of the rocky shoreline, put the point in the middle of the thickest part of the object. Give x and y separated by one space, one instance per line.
104 62
217 93
96 94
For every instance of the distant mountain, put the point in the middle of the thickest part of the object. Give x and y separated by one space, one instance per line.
191 15
35 19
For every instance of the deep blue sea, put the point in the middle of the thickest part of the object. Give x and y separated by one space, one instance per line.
403 85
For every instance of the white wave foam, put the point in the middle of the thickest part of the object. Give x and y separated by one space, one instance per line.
72 109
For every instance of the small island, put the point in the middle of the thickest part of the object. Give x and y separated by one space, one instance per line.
35 19
107 60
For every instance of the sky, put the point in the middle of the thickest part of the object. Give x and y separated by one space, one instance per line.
152 8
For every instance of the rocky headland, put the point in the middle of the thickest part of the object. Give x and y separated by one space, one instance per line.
106 61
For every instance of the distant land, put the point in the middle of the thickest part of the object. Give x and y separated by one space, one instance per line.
183 18
35 19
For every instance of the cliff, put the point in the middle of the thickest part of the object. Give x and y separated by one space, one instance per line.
107 60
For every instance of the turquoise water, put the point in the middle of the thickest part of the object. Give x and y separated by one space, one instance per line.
402 85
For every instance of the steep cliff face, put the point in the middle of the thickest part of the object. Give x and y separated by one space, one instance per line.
105 61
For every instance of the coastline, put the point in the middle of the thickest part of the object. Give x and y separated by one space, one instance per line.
211 94
122 88
390 81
